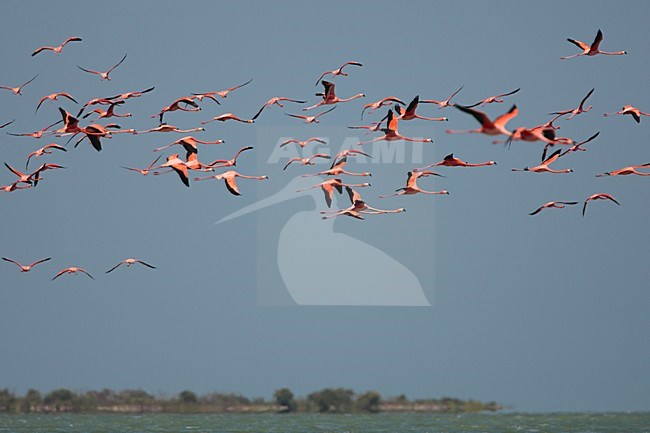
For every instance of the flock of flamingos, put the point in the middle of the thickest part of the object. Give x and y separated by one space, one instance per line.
397 110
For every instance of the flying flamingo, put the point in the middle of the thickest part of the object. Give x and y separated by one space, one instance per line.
28 179
96 131
493 99
544 166
104 75
329 96
176 106
143 171
71 270
26 268
35 134
578 146
575 111
54 97
127 95
18 90
442 104
451 161
42 168
229 162
328 186
227 116
108 113
487 126
95 101
373 127
310 119
13 187
338 71
45 150
553 204
373 106
307 161
358 207
303 143
179 166
189 143
391 133
412 186
600 196
591 50
277 100
337 169
223 93
632 169
57 49
170 128
193 163
128 262
632 111
410 114
353 152
70 123
229 178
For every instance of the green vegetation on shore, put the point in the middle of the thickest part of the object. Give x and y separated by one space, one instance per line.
328 400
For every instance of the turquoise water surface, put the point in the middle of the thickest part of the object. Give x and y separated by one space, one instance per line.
314 423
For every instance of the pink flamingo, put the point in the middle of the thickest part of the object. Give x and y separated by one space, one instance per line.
307 161
544 166
310 119
25 178
575 111
328 186
303 143
338 71
277 100
179 166
229 177
13 187
127 95
391 133
45 150
223 93
358 207
451 161
229 162
176 106
492 99
591 50
227 116
18 90
337 169
143 171
632 169
59 48
578 146
170 128
329 96
26 268
599 196
71 270
410 114
35 134
487 126
632 111
128 262
442 104
54 97
412 186
189 143
553 204
104 75
373 106
110 112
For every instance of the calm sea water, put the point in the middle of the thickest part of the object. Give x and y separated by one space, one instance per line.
312 423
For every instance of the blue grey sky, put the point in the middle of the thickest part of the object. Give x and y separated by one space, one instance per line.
540 313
